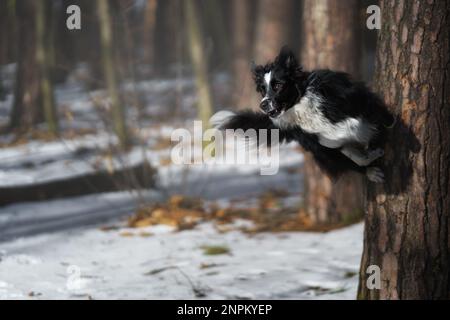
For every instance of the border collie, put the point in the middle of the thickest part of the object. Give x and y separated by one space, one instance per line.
341 122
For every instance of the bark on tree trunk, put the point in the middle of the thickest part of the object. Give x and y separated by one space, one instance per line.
118 114
407 222
331 35
331 40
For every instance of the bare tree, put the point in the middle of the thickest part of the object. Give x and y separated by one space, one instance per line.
272 29
7 30
44 57
118 114
243 86
407 221
167 34
25 112
148 34
214 14
199 61
331 40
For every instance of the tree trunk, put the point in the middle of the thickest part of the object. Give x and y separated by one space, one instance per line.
214 13
272 28
243 83
118 114
44 56
331 35
272 31
199 61
407 222
148 33
25 111
6 29
331 40
167 35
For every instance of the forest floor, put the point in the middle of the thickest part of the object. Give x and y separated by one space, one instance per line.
204 231
156 262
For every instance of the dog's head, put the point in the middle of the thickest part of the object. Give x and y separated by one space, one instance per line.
279 83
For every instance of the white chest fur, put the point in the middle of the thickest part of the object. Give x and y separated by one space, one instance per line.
307 115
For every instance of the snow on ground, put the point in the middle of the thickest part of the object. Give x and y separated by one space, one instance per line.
55 249
27 219
47 244
157 263
41 161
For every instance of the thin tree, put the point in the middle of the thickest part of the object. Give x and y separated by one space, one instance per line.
148 34
110 76
242 53
44 56
199 61
407 221
25 112
6 29
331 40
272 30
167 35
214 14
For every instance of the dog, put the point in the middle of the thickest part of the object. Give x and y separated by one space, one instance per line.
340 121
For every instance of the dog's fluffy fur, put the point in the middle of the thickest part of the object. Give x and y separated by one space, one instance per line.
341 122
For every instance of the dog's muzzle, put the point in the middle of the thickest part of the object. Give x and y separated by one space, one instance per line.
268 108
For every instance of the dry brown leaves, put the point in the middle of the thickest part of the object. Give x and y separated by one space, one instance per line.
269 215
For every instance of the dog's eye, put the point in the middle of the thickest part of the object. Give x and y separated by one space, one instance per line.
277 86
261 89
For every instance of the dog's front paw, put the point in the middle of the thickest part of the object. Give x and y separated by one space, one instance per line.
220 118
375 174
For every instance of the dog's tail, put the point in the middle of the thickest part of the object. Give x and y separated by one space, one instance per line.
245 120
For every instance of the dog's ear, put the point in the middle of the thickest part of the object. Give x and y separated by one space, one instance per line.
286 58
258 71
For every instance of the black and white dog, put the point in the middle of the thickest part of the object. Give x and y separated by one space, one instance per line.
341 122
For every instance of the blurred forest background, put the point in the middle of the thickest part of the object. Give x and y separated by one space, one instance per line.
123 43
86 118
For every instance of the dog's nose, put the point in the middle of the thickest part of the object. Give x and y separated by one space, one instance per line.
268 108
265 105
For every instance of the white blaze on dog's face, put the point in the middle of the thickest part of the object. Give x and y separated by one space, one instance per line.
267 78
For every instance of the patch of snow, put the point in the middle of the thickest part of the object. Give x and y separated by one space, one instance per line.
91 263
54 249
25 219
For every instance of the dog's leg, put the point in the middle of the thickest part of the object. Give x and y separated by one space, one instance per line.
375 174
360 158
